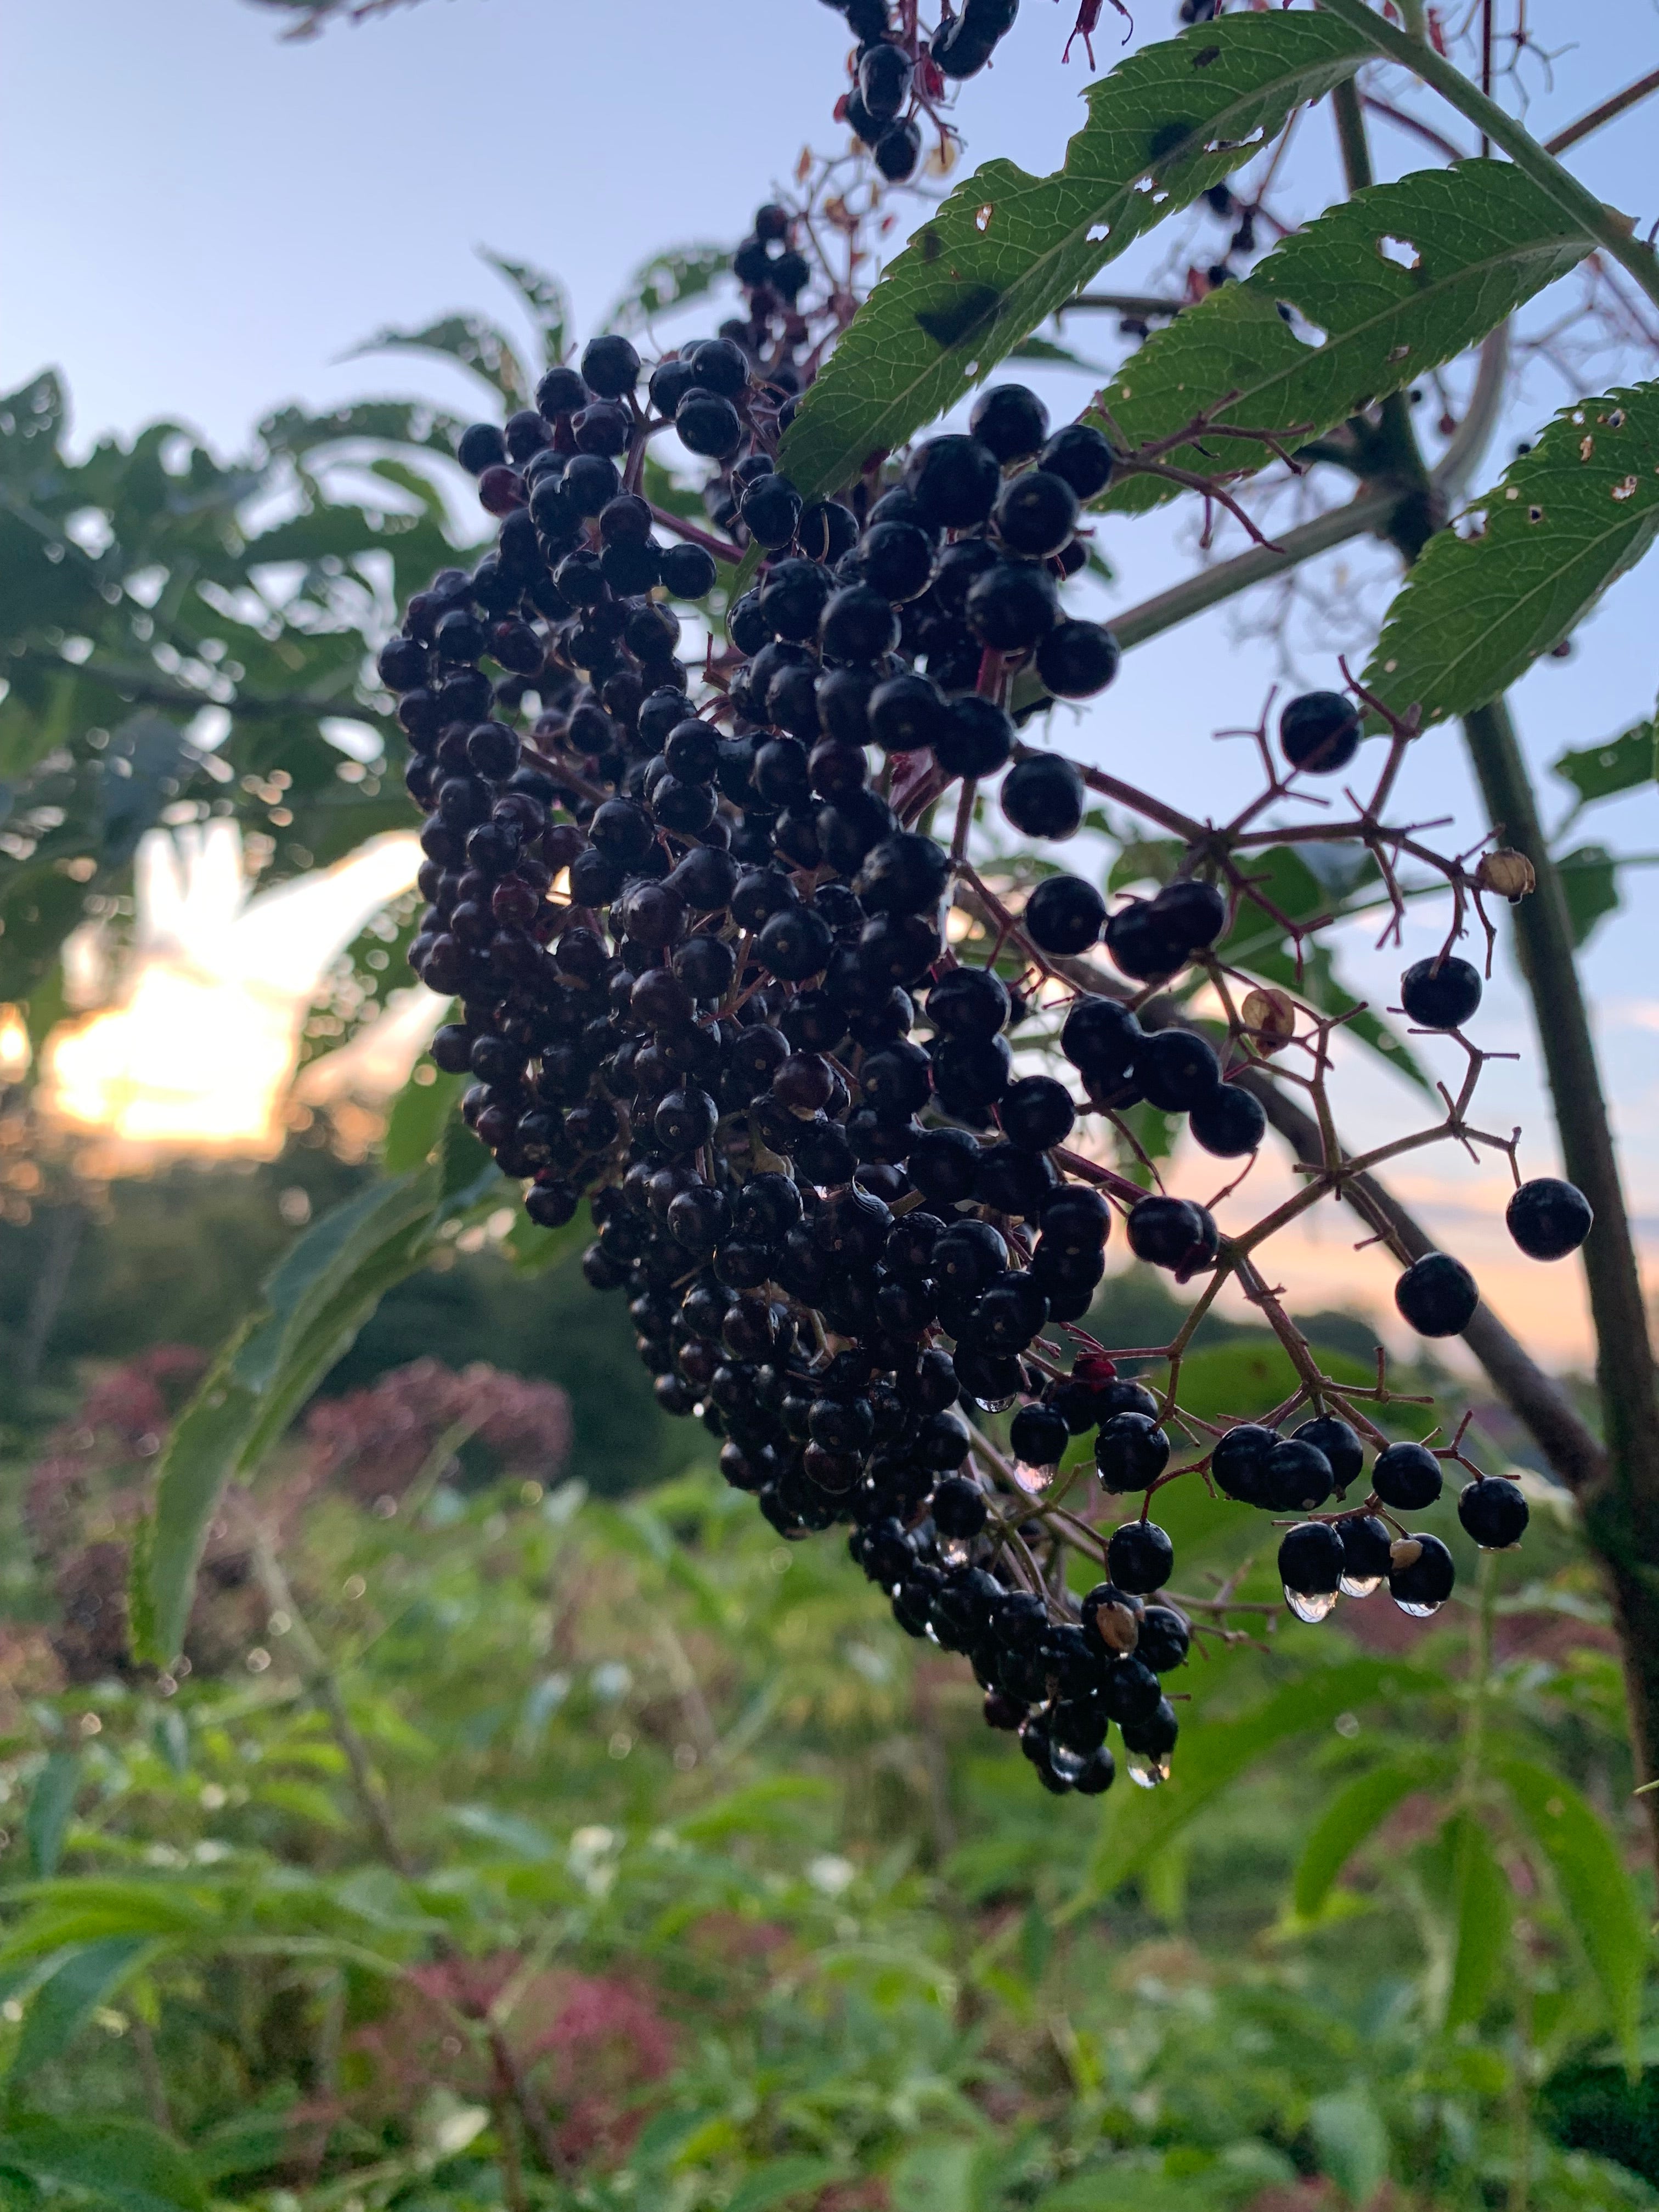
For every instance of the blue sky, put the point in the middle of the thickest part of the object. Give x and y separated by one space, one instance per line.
202 219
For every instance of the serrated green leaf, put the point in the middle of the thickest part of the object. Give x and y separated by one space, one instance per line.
1353 1816
1567 520
1482 1913
121 2164
1005 249
67 1999
1595 1889
1590 883
1603 771
1474 240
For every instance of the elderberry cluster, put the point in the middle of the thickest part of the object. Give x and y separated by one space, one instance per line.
703 983
897 73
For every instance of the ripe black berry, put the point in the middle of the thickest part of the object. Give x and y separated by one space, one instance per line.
1339 1442
1044 797
610 366
1548 1217
1239 1461
1421 1575
1319 731
1366 1544
978 740
1310 1568
1082 455
953 480
1177 1071
1230 1122
1010 419
1036 1113
1076 660
1406 1476
1493 1512
1131 1452
1064 914
1440 994
1035 514
1437 1295
1139 1557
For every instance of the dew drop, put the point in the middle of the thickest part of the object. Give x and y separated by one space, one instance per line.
994 1405
956 1550
1311 1604
1419 1612
1360 1585
1034 1480
1068 1764
1145 1772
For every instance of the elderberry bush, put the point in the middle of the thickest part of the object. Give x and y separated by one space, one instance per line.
703 984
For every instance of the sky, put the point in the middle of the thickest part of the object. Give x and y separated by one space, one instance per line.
200 221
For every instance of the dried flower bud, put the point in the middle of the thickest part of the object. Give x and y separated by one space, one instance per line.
1509 873
1271 1016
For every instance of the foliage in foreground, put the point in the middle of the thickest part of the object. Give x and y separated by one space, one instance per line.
527 1848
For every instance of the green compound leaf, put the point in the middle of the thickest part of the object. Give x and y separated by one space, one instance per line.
1385 287
1005 249
1532 557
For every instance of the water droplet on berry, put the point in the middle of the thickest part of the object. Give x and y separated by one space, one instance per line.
956 1550
1146 1771
1311 1604
994 1405
1419 1612
1034 1480
1066 1764
1359 1585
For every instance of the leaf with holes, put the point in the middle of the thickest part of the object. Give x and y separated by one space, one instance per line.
1383 287
1529 561
1005 249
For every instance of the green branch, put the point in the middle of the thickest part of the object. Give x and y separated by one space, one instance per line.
1610 230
